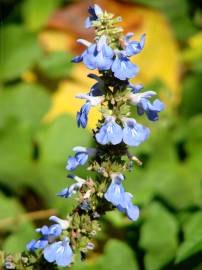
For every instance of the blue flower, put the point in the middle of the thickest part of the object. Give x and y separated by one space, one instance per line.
141 100
98 55
134 133
134 47
82 115
48 234
95 12
110 132
59 252
115 190
64 224
123 68
121 199
126 206
135 88
97 89
151 109
81 157
73 189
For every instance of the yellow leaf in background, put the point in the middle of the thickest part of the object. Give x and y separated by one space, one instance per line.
159 58
54 40
194 51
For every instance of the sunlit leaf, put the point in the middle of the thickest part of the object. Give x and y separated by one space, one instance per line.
56 64
36 13
20 51
193 238
158 236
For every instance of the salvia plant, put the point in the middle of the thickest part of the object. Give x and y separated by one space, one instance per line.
109 53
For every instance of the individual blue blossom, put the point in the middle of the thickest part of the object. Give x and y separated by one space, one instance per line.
91 101
59 252
110 132
95 12
126 206
141 100
135 88
123 68
121 199
97 89
90 246
81 157
115 191
82 115
48 234
134 133
133 47
151 109
97 55
73 189
64 224
85 205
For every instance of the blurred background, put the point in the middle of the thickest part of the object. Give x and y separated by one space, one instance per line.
38 129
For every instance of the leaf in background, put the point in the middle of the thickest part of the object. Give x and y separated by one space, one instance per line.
59 137
16 242
191 95
16 155
193 52
193 238
36 12
178 13
117 256
10 207
158 236
20 51
22 231
27 103
56 64
55 141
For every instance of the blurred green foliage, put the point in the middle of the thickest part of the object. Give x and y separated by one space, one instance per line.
168 187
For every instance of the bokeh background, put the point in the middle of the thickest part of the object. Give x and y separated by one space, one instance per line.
38 129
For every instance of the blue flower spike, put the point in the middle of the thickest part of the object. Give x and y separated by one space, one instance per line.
110 56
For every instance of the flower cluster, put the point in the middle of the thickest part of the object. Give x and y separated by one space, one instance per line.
110 54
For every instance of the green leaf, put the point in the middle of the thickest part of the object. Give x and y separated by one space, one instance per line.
158 236
36 12
20 52
16 242
59 137
177 13
191 95
26 103
56 64
10 207
118 255
193 238
16 155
